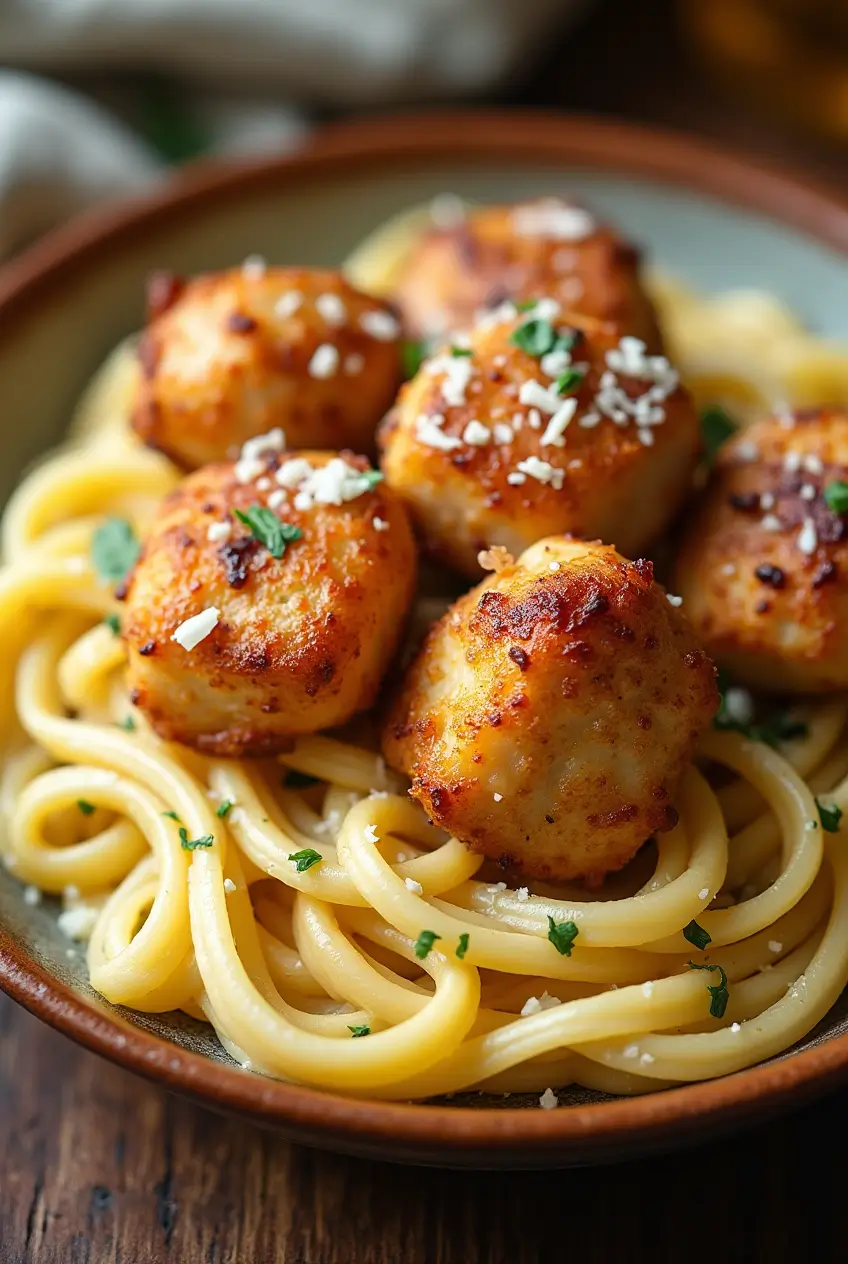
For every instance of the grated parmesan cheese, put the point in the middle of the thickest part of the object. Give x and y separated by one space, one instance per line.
79 922
476 434
522 894
325 362
549 1100
194 630
229 886
335 483
542 471
331 309
428 430
254 267
218 531
808 540
380 325
287 304
32 896
413 886
549 217
554 435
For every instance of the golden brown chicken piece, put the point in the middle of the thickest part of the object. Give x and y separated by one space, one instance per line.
550 714
544 247
763 568
541 422
242 635
229 356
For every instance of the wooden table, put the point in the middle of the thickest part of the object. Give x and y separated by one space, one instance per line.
96 1165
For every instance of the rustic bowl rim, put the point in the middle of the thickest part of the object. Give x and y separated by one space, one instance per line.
479 1135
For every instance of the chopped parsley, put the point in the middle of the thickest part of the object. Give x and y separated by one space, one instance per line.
371 478
462 946
224 808
461 351
716 428
294 780
172 815
569 381
562 935
718 991
192 844
114 549
526 305
413 355
127 723
776 729
267 528
536 337
836 495
87 808
697 935
424 943
359 1031
113 623
305 859
829 817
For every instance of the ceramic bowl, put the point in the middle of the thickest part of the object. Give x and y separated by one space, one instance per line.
714 219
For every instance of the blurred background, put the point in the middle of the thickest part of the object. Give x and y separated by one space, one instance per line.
100 98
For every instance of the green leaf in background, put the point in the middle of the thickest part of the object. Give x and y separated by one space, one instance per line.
166 121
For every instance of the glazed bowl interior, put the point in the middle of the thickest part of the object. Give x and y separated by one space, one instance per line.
64 306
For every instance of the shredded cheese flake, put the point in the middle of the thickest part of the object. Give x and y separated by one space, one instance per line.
194 630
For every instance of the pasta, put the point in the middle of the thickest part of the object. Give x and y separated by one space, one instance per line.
327 908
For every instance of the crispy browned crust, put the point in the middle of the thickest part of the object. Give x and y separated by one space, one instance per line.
577 694
453 272
615 488
220 365
779 619
303 641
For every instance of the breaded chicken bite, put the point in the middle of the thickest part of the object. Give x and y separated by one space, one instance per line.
268 602
541 422
229 356
763 567
475 258
551 713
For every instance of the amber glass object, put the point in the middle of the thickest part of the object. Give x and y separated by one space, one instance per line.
789 55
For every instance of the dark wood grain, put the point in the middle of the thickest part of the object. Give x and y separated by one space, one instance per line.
97 1166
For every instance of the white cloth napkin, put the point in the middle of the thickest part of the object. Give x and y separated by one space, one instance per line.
250 69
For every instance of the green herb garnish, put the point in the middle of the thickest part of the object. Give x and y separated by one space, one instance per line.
829 817
413 355
776 729
85 807
114 549
294 780
462 946
836 495
569 381
716 428
371 478
128 723
192 844
359 1031
172 815
305 859
224 808
718 992
526 305
697 935
267 528
536 337
113 623
562 935
461 351
424 943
